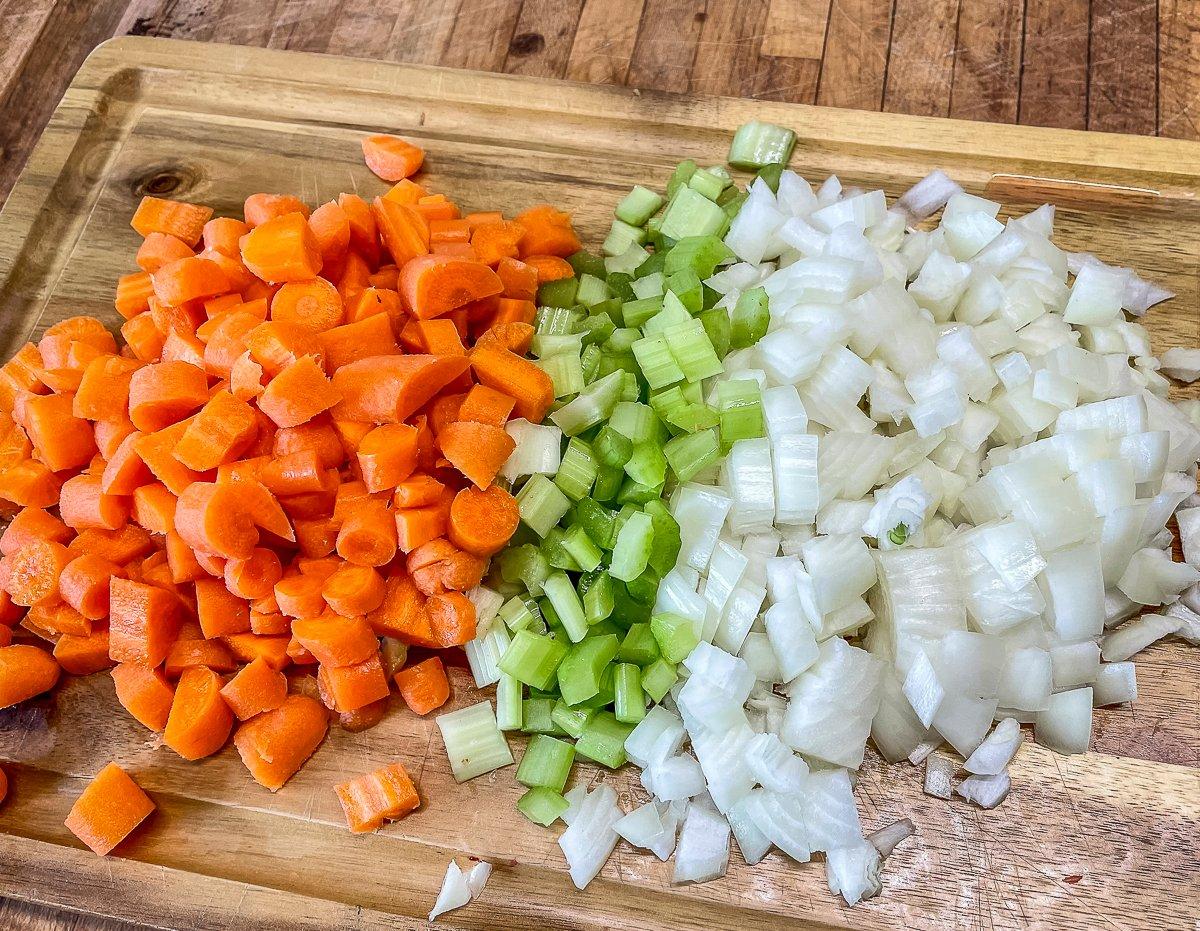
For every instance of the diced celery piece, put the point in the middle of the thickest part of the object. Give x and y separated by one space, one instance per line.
594 403
733 205
681 176
650 286
701 254
524 564
657 679
632 389
740 404
608 483
636 313
694 417
571 720
673 313
580 671
639 646
557 555
598 521
757 144
603 740
537 716
770 175
653 265
716 325
676 636
621 237
597 328
669 403
637 422
586 553
647 465
639 205
748 322
559 293
598 599
542 504
629 701
577 471
623 338
628 261
655 359
694 354
547 761
632 550
692 214
644 588
542 806
552 344
562 595
686 286
667 539
566 373
706 183
690 454
519 612
474 744
592 290
589 361
510 696
636 493
585 263
611 448
627 611
533 659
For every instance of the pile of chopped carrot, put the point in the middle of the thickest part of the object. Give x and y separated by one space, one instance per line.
287 468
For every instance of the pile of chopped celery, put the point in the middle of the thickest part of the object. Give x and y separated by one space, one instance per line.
628 343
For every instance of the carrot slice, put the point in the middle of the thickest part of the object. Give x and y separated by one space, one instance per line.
26 671
300 595
352 687
247 647
482 522
477 450
547 232
221 234
109 809
145 693
371 336
275 744
32 572
219 611
83 655
61 440
84 583
83 503
519 378
405 233
259 208
368 536
164 393
189 279
222 519
383 795
520 280
255 577
432 285
256 688
133 294
335 640
189 654
418 491
298 393
389 389
184 221
353 591
313 303
402 614
549 267
451 618
282 249
143 622
199 722
31 524
330 224
29 484
424 686
392 158
103 392
220 433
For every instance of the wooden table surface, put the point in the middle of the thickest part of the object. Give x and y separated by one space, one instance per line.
1111 65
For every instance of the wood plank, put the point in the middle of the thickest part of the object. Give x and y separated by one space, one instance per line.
545 32
921 57
1123 66
1179 68
987 61
304 25
1054 64
181 19
480 36
790 80
421 30
666 45
796 28
728 59
604 41
21 23
854 67
245 23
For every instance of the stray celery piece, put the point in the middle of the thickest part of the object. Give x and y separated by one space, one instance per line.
520 612
592 290
690 213
537 716
632 388
608 626
694 355
658 365
667 538
611 448
524 564
650 286
542 806
628 261
706 183
598 521
559 293
585 553
593 404
740 403
510 696
585 263
577 471
542 504
686 286
603 740
639 646
629 701
547 761
702 254
566 373
748 322
636 313
639 205
691 454
608 483
681 176
621 237
631 553
598 600
676 636
757 144
571 720
770 176
562 595
716 325
533 659
657 679
647 465
580 671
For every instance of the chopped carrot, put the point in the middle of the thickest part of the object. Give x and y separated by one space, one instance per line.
145 693
318 435
184 221
29 484
199 721
547 232
188 654
84 583
364 233
549 267
83 655
432 285
387 455
486 405
405 233
383 795
275 744
451 618
282 249
369 336
164 393
117 546
300 596
392 158
494 242
352 687
254 577
60 439
418 491
367 537
520 281
418 525
103 392
519 378
221 234
109 809
189 279
154 507
336 640
330 224
59 619
83 503
32 572
26 671
353 591
159 249
389 389
482 522
298 393
424 686
133 294
220 612
258 687
405 191
143 622
259 208
271 649
375 300
477 450
31 524
312 303
219 433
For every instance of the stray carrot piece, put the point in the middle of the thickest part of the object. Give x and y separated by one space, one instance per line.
313 303
520 280
298 393
352 591
32 572
199 722
258 687
26 671
482 522
183 347
259 208
29 484
368 536
184 221
84 583
181 561
230 337
109 809
549 267
143 622
331 226
519 378
352 687
218 434
159 249
255 577
298 655
335 640
189 279
275 744
387 455
418 491
83 503
432 285
318 435
275 345
110 434
389 389
316 537
221 234
405 233
424 686
270 623
351 433
247 647
82 656
133 294
164 393
443 411
59 619
282 249
222 520
371 336
484 216
142 336
451 618
383 795
477 450
458 250
547 232
220 612
61 440
449 231
117 546
145 693
392 158
31 524
186 654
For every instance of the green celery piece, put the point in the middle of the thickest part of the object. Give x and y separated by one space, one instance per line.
562 595
647 465
644 588
587 554
598 327
604 697
598 600
669 404
555 320
552 344
566 373
592 290
690 213
594 403
542 504
657 679
559 293
632 550
629 701
639 646
657 364
636 313
525 564
672 314
598 521
533 659
639 205
691 453
637 422
542 806
701 254
681 176
608 483
667 539
589 361
739 401
547 761
631 390
628 261
652 265
650 286
557 555
770 176
537 716
607 626
611 448
577 470
716 325
686 286
619 284
733 206
519 612
622 339
636 493
676 636
553 624
621 237
580 671
585 263
603 740
692 351
627 611
571 720
706 183
748 322
757 144
510 701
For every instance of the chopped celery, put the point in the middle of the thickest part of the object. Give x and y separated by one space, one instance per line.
580 671
604 697
520 612
686 286
701 254
594 403
557 555
676 636
647 465
706 183
542 806
558 294
598 521
669 404
656 361
542 504
524 564
585 263
757 144
597 328
629 702
636 313
619 284
562 595
627 262
637 422
740 403
592 290
692 214
603 740
547 761
632 550
537 716
733 205
639 646
566 373
533 659
474 744
650 286
653 265
627 611
644 588
608 483
692 453
716 325
748 322
639 205
631 390
657 679
589 361
598 600
770 175
672 314
611 448
667 537
577 471
623 338
551 344
571 720
636 493
585 553
689 345
682 175
509 701
621 237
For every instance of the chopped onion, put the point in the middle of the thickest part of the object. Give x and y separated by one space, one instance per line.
1135 636
590 837
477 877
938 773
887 838
702 853
455 892
985 791
997 750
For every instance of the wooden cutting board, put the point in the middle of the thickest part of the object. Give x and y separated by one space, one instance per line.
1108 839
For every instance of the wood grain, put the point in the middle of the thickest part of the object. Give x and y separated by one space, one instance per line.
1054 72
921 59
987 66
1113 833
1123 66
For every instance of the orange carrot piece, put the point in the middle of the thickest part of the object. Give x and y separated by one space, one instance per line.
118 546
219 611
451 618
331 227
282 249
375 300
418 491
188 654
486 405
313 303
84 583
59 619
145 693
316 537
82 656
259 208
157 451
318 435
199 722
275 345
368 536
352 687
183 347
418 525
256 688
482 522
549 267
26 671
405 233
103 392
29 484
477 450
405 191
371 336
387 455
143 622
143 337
513 311
353 591
215 306
133 294
424 686
83 503
300 595
383 795
269 623
220 433
389 389
229 338
31 524
392 158
182 563
247 647
154 507
335 640
159 249
255 577
494 242
109 809
449 231
520 280
222 520
184 221
164 393
432 285
275 744
31 573
364 234
547 232
221 234
519 378
246 378
401 615
298 393
189 279
61 440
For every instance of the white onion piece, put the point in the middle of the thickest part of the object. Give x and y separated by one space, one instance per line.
985 791
589 839
997 750
853 872
832 703
1115 684
928 196
477 877
780 818
887 838
938 773
455 892
774 766
1066 724
702 852
1135 636
538 449
752 842
657 736
1189 535
830 815
676 777
1181 364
